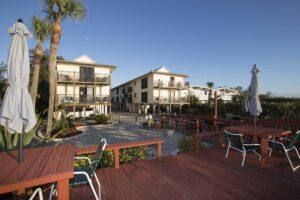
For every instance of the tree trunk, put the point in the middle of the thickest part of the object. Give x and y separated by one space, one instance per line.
56 34
38 53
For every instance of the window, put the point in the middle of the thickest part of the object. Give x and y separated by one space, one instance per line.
134 83
172 81
117 90
144 97
86 74
134 95
144 82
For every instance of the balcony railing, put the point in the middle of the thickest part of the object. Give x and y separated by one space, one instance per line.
170 100
67 76
174 84
87 99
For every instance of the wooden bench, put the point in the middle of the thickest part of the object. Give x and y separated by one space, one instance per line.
116 148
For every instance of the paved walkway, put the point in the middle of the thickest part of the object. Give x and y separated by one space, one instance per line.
122 133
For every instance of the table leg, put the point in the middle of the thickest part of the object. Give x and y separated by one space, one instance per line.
264 151
63 190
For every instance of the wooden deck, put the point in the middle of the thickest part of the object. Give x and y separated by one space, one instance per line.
203 175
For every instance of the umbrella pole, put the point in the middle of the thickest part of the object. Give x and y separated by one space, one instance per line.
20 149
254 121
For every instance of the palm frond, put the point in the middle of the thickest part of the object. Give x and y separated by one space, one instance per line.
49 9
41 28
75 9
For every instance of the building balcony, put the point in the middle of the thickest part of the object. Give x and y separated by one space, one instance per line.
174 100
81 99
169 84
67 76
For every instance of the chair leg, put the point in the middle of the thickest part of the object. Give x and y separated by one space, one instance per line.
259 156
39 192
99 185
93 189
288 157
90 182
227 150
244 156
297 152
52 191
270 152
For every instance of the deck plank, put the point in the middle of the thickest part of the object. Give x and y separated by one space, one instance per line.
204 175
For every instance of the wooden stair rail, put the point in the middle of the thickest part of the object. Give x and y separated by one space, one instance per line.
116 148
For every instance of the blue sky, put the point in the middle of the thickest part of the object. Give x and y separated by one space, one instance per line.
212 40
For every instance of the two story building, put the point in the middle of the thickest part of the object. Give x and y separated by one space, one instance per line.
201 92
83 86
158 91
226 93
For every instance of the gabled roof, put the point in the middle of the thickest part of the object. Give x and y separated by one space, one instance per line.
162 69
84 59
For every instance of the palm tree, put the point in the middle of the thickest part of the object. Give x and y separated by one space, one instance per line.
210 85
41 30
57 11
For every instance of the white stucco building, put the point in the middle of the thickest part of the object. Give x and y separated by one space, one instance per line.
201 92
158 91
84 86
226 93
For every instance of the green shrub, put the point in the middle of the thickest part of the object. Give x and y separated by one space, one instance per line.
100 118
127 155
186 144
63 125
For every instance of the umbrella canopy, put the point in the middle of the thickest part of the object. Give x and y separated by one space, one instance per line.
17 107
255 107
245 103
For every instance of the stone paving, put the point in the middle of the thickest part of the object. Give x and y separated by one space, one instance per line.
122 133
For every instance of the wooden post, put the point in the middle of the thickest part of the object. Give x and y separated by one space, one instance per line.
74 95
117 158
264 151
216 111
63 189
197 136
159 150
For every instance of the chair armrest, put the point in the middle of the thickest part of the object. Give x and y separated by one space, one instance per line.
83 157
283 138
251 144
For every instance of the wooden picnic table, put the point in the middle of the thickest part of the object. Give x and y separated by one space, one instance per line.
264 133
40 166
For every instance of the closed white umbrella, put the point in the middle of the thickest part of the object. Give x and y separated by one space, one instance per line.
255 107
245 103
17 108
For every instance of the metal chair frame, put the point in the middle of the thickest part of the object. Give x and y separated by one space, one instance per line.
286 150
243 150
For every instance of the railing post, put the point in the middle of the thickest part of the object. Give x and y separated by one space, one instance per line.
159 150
197 136
117 158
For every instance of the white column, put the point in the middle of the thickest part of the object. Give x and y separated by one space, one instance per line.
105 109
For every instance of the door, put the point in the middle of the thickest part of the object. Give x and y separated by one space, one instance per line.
86 94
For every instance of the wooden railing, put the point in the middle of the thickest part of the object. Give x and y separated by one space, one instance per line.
202 126
185 122
116 148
